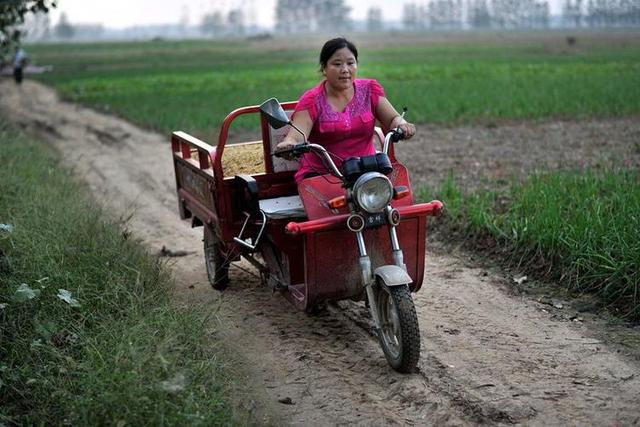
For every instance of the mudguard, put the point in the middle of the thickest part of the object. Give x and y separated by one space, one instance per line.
392 275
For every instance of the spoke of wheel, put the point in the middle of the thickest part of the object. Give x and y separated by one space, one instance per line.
389 323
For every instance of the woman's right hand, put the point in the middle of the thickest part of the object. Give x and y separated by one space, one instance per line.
286 144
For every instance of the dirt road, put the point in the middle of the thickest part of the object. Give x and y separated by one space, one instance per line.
490 354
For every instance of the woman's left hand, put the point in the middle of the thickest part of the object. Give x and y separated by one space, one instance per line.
409 129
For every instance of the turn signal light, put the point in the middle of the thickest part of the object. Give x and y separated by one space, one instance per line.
338 202
400 192
355 222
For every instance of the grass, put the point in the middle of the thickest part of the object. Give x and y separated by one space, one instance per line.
88 333
581 228
192 85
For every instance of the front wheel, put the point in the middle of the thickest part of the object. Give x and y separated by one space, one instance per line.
399 333
217 264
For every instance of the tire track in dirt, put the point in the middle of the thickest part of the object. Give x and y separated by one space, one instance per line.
488 356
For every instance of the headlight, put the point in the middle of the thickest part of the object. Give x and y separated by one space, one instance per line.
372 191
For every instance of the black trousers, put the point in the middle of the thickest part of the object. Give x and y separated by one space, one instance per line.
17 74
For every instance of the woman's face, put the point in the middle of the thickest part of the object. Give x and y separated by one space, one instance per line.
341 69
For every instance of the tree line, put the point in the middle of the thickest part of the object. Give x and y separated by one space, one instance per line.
601 13
294 16
458 14
518 14
306 16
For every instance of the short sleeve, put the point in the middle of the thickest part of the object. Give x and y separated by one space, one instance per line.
376 91
308 102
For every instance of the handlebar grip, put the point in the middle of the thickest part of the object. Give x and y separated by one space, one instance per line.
297 150
397 134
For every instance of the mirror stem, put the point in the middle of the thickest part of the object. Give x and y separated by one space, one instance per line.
304 137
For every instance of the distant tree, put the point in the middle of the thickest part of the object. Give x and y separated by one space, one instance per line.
294 16
542 14
332 15
505 13
572 13
516 14
184 18
284 16
63 28
235 21
410 16
212 24
12 15
634 13
374 19
590 17
479 16
577 16
445 13
37 26
613 13
422 17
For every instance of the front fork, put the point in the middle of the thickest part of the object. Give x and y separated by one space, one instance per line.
367 274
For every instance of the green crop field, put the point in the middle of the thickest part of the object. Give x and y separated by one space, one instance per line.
580 227
192 85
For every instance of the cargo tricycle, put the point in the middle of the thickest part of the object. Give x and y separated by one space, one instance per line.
354 233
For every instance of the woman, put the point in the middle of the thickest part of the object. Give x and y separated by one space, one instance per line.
340 112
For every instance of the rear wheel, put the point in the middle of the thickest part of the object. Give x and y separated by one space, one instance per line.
399 333
217 265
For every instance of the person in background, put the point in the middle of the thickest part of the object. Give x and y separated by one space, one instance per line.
19 63
340 113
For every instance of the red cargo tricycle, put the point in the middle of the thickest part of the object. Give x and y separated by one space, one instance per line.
354 233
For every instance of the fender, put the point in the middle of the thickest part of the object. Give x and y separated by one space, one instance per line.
392 275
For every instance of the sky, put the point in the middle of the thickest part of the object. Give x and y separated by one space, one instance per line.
128 13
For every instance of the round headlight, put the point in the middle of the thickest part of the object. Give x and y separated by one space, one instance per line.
372 191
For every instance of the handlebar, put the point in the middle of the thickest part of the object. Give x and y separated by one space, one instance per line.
393 136
306 147
298 150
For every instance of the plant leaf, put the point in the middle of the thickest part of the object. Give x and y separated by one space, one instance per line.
25 293
175 384
65 296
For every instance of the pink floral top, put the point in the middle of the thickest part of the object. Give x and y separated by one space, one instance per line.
344 134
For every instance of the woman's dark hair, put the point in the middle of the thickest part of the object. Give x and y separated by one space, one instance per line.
332 45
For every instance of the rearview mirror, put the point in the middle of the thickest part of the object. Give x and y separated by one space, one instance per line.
275 114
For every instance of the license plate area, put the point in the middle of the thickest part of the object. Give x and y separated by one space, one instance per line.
374 219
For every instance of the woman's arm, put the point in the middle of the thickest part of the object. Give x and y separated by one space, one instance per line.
302 120
390 119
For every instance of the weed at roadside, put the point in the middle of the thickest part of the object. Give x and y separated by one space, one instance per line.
580 228
88 334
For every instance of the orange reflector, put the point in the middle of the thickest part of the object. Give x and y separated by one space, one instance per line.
338 202
400 192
